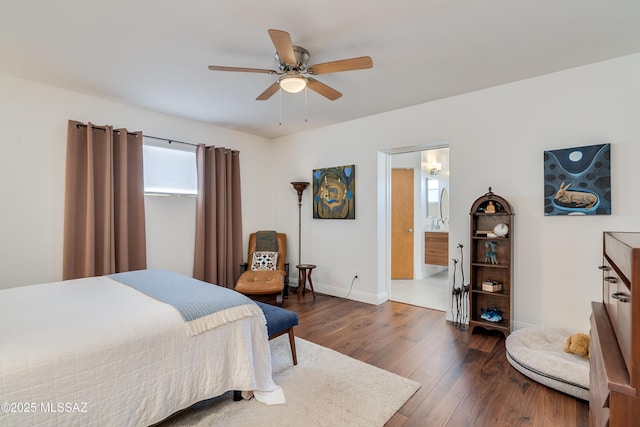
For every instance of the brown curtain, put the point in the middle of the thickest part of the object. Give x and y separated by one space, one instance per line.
218 252
104 228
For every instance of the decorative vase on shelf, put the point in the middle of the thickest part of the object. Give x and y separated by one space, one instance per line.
491 315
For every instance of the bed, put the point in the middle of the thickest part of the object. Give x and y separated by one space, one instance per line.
538 353
96 351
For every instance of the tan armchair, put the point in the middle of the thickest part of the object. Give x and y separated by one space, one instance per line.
265 285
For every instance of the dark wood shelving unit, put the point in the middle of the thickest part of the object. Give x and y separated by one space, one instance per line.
491 260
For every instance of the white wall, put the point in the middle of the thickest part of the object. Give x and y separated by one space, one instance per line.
496 138
34 117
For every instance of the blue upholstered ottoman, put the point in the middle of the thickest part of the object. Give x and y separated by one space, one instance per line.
280 321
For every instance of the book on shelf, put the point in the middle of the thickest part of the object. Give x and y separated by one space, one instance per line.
491 286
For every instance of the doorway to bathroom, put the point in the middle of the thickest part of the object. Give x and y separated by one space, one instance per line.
419 230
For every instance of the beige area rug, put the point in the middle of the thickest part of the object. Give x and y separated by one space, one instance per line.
326 388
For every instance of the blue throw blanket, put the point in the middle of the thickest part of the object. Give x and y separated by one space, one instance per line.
202 305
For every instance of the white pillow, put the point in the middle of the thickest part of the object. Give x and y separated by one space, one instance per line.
264 261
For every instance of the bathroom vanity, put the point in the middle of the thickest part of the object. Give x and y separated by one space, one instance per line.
436 248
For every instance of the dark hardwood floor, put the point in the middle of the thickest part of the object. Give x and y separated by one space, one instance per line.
466 379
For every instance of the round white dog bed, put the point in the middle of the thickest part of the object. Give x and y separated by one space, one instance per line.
538 353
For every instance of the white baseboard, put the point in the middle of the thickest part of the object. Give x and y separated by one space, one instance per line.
517 325
514 325
356 295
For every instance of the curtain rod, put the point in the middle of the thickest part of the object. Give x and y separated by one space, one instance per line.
170 140
82 125
145 136
235 152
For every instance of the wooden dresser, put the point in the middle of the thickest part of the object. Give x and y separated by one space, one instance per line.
614 391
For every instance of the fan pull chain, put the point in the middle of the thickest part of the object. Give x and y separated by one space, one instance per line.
280 101
306 119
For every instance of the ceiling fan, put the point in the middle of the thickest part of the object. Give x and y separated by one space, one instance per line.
295 73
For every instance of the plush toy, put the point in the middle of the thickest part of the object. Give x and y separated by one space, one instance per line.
578 344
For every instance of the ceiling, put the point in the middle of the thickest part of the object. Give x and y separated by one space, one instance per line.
154 54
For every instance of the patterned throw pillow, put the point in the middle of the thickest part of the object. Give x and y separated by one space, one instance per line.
264 261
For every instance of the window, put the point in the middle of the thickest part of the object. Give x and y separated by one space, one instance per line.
169 170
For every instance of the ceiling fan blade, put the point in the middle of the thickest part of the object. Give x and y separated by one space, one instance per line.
323 89
342 65
282 42
268 93
241 69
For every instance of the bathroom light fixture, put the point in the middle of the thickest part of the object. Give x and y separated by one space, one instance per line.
293 83
435 167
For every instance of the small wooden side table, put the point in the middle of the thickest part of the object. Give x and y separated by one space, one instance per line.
304 274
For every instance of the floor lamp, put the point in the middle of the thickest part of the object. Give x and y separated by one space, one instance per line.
299 187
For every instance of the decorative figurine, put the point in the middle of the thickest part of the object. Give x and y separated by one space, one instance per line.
490 256
456 292
501 230
491 315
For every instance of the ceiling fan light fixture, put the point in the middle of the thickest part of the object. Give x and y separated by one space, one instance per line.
293 84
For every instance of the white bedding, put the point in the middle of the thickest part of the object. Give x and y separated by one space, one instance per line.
96 352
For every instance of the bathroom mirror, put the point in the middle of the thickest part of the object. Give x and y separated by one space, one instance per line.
437 199
444 203
432 198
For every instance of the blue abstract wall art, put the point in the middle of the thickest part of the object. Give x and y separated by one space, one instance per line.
334 193
577 181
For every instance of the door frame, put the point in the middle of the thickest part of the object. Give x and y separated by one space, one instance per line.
384 211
